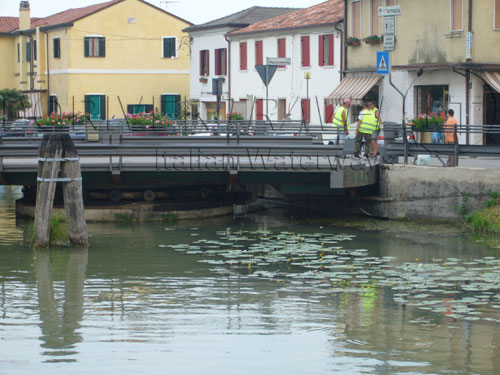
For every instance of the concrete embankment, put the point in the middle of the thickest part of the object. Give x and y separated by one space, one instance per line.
417 192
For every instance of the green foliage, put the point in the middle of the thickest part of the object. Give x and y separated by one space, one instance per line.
486 220
170 217
234 116
152 119
13 101
123 218
353 41
493 199
430 121
463 211
63 119
58 230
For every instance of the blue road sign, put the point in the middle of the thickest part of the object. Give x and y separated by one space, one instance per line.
383 63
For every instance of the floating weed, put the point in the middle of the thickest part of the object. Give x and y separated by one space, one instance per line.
324 263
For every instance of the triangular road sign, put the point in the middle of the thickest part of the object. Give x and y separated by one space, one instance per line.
382 65
261 69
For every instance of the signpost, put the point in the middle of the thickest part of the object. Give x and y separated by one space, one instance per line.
394 10
383 62
389 33
266 72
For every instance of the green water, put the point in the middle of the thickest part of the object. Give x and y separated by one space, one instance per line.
260 294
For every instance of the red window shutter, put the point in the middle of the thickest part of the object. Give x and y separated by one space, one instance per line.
328 113
217 62
330 46
305 51
202 63
243 56
321 49
259 58
260 109
306 106
281 49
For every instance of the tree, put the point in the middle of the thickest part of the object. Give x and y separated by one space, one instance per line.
13 101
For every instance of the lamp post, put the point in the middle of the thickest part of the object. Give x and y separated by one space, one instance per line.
405 140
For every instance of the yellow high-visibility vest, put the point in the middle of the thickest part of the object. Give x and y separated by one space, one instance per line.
369 123
337 119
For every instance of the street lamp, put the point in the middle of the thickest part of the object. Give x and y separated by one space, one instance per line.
405 140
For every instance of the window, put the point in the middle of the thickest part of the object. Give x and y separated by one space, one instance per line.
433 98
28 51
328 112
306 109
304 43
34 50
325 48
95 106
356 19
52 104
134 109
220 62
171 105
281 109
456 15
374 18
281 49
94 46
18 52
260 109
169 50
497 15
204 62
259 57
243 56
56 46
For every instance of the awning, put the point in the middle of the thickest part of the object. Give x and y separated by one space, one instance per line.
354 88
493 79
35 110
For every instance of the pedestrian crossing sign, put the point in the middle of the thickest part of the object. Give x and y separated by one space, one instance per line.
383 63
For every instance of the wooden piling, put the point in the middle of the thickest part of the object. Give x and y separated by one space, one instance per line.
73 193
56 152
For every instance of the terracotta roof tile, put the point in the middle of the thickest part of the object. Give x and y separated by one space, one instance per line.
329 12
9 24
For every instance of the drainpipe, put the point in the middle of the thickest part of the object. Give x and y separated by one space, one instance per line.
48 67
32 56
229 107
342 63
468 81
344 36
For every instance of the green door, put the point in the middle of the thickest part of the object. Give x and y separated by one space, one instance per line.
171 106
95 106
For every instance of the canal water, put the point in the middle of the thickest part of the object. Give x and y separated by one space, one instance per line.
267 293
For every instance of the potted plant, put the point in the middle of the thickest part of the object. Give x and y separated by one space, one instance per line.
151 121
374 39
203 79
60 121
427 123
353 41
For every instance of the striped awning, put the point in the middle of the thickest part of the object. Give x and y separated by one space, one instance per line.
353 88
35 110
493 79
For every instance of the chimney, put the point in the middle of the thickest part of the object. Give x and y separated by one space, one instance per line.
24 15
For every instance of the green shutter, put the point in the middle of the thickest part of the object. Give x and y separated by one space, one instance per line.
57 48
28 51
165 47
86 47
130 108
148 108
103 107
102 47
168 47
87 104
163 104
177 106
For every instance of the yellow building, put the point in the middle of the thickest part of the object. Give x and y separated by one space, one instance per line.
454 42
104 59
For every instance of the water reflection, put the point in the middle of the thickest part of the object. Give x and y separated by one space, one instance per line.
60 326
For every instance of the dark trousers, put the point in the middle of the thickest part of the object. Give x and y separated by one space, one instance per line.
357 143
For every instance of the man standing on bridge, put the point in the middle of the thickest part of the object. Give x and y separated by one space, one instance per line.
367 124
340 121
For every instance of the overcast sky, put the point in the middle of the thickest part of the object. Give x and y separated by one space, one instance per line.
195 11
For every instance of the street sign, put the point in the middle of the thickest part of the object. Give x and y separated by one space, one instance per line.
468 45
389 33
266 72
394 10
278 60
307 75
383 62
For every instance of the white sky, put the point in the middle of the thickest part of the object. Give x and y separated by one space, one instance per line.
195 11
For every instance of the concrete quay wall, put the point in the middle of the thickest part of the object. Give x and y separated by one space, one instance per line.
417 192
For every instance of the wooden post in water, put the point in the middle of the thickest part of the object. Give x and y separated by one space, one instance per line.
73 193
49 156
57 150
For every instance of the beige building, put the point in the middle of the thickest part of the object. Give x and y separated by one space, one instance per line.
104 59
455 42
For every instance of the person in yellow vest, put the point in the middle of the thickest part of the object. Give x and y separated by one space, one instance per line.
367 124
340 120
374 145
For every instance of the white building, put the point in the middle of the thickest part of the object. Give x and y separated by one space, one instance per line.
210 58
312 39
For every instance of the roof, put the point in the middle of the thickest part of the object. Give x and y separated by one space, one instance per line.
243 18
11 24
327 13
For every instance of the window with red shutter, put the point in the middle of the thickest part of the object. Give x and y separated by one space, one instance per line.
281 49
325 48
243 56
321 50
328 113
259 56
305 51
306 110
260 109
204 63
220 62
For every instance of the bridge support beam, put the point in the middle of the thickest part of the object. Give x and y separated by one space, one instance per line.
56 150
